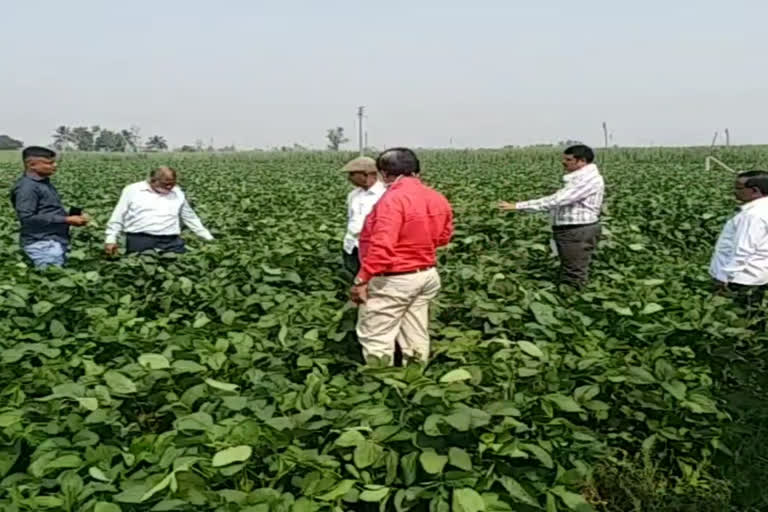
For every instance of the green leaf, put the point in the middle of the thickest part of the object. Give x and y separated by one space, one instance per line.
517 492
564 403
366 454
675 388
41 308
10 418
586 393
224 386
350 438
460 420
639 375
540 453
457 375
195 421
235 454
88 403
652 308
459 458
432 462
409 463
374 493
119 383
103 506
98 474
154 361
573 501
228 317
57 329
530 349
338 491
543 313
168 505
467 500
165 482
187 367
46 502
201 321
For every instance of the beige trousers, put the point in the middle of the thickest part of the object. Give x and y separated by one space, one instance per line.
397 310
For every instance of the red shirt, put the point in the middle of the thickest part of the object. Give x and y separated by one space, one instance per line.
404 229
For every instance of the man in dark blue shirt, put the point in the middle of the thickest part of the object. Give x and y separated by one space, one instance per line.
44 221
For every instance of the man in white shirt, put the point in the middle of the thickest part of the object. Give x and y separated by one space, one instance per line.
149 213
740 260
362 173
575 211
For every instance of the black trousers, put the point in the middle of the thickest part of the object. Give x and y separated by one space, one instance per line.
141 242
351 262
575 247
750 297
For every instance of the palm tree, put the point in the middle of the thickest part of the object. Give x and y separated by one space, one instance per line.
62 138
156 143
131 139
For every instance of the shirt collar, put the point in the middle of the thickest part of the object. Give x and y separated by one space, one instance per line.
375 188
587 169
754 204
35 177
402 181
146 187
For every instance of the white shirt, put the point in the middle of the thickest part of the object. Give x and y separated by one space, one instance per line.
578 202
360 202
741 252
142 210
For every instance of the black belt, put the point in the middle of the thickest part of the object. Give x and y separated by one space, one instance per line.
568 227
156 237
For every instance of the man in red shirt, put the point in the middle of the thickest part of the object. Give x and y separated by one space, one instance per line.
398 276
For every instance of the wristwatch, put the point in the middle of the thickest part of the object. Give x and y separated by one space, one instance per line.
359 282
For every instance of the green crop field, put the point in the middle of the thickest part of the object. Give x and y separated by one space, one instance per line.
229 379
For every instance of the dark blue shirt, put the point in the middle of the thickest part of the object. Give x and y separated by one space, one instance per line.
39 210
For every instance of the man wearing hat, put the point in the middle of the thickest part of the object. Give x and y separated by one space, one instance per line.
44 221
362 173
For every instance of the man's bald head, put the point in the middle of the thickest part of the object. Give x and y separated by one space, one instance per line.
163 179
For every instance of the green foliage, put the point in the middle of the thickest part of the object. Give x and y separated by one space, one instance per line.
229 379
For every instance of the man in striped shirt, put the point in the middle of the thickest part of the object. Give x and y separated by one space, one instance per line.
575 211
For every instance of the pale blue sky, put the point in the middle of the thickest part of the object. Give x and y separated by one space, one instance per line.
483 72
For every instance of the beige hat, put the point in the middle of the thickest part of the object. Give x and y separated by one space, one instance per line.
361 164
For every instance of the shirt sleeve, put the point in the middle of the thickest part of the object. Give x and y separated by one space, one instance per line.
356 218
445 237
117 220
26 205
381 231
193 222
569 194
750 233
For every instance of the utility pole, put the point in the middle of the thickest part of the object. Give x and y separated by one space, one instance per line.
714 140
360 113
727 137
605 134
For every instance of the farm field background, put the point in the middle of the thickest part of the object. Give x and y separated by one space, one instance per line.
229 379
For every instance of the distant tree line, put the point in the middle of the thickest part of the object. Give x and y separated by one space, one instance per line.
96 138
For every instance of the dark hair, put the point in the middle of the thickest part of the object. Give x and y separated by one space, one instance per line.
398 162
37 152
756 179
581 152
